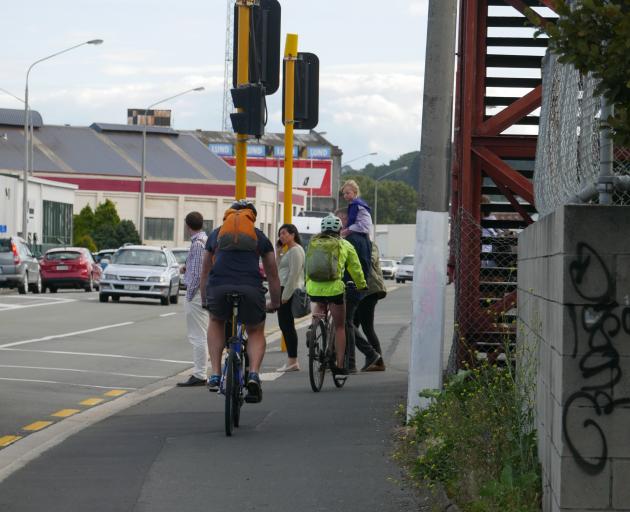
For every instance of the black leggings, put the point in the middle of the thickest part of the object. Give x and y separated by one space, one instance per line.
287 326
364 316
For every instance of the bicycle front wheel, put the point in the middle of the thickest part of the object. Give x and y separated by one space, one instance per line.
231 392
316 338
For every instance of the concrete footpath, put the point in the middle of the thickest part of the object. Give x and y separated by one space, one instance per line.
297 450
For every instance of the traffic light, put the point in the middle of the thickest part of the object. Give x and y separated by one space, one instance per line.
306 103
250 120
264 45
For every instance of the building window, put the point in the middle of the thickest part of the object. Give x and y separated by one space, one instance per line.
57 223
159 229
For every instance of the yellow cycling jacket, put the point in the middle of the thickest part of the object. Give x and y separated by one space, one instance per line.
349 260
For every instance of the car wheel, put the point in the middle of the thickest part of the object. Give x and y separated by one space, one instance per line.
175 298
23 286
53 289
398 281
37 287
115 298
164 301
89 287
102 297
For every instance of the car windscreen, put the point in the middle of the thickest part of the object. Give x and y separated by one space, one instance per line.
180 256
407 260
63 255
387 263
5 245
140 257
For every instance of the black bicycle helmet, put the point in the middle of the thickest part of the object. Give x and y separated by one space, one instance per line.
241 204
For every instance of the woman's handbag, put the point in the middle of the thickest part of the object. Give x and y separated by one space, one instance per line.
300 303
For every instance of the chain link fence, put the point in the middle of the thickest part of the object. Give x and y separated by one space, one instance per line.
568 151
485 288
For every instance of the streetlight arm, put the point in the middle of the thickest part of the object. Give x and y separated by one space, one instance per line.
359 157
171 98
54 55
403 168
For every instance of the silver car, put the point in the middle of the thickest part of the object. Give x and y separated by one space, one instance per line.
18 267
141 271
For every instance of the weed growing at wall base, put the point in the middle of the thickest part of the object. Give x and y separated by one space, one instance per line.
477 439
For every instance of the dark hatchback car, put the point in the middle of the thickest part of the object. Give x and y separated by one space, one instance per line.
18 267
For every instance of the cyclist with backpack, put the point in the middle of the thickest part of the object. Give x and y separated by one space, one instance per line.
231 264
327 258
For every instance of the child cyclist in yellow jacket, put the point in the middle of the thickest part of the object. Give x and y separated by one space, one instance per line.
327 257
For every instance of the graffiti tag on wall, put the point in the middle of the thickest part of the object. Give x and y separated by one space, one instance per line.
602 320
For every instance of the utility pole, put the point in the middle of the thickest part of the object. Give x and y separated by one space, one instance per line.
429 285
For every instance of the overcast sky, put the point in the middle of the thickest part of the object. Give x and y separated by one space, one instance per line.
371 56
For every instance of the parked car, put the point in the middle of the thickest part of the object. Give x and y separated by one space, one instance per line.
404 272
142 271
104 257
70 267
19 268
181 254
388 267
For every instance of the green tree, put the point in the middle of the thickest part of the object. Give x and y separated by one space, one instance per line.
126 232
83 224
106 214
105 236
396 200
593 37
85 241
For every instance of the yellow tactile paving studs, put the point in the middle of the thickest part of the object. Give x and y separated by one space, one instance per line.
38 425
62 413
92 401
7 440
116 392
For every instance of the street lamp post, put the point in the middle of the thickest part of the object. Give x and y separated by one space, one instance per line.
403 168
27 120
341 171
144 152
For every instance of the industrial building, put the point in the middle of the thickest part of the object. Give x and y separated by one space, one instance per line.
104 161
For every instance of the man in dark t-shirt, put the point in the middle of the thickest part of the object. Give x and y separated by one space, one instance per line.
229 271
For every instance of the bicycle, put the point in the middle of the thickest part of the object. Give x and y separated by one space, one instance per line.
320 338
235 368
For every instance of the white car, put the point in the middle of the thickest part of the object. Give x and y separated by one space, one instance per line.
141 271
404 272
388 267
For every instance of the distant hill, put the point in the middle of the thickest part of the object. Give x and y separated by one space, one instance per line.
410 176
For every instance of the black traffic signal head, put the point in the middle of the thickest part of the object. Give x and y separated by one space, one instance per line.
264 45
250 99
306 103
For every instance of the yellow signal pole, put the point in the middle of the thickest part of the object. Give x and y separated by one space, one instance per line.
290 56
242 78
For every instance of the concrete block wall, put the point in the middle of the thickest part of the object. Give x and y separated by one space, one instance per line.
574 314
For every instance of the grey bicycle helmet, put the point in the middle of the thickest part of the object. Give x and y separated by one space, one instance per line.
331 223
242 204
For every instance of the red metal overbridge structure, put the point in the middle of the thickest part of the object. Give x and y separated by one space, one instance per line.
498 94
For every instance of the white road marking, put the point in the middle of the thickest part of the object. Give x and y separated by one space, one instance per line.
65 335
82 371
269 376
95 354
12 307
66 383
167 314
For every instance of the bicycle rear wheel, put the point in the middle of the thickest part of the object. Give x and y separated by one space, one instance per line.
338 380
316 337
231 392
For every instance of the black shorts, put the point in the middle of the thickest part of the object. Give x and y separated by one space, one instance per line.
334 299
252 307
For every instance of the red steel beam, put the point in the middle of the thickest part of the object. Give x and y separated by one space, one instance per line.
501 172
513 113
